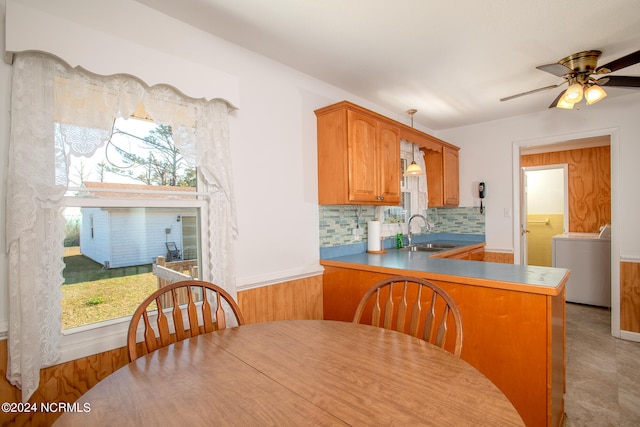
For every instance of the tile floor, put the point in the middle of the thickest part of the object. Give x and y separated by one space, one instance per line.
603 372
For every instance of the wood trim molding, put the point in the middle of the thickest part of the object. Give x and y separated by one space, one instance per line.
292 275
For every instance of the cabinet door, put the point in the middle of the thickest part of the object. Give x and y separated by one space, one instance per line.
363 176
450 177
435 185
388 153
476 254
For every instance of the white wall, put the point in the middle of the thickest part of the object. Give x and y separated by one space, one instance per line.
545 191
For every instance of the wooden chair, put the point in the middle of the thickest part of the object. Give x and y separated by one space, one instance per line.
180 330
413 306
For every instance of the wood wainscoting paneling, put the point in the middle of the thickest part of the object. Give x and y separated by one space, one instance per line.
630 296
66 382
501 257
298 299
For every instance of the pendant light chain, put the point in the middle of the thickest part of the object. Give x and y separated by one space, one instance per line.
413 169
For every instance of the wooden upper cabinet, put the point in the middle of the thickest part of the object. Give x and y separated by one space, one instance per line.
358 157
361 155
443 182
389 161
450 177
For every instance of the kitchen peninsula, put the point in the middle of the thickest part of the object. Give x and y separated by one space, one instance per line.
513 318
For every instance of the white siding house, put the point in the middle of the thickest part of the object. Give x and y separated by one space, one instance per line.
130 236
124 237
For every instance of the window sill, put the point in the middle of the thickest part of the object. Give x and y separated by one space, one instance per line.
88 340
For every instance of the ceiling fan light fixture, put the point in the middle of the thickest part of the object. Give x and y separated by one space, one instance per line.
574 93
593 94
564 104
579 71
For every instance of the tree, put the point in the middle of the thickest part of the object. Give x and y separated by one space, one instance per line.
189 178
163 165
102 168
82 173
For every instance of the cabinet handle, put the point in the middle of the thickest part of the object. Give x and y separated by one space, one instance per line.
380 198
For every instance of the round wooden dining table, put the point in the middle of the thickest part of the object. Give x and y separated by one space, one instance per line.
300 372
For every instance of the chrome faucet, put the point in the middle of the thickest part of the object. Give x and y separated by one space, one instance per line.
409 233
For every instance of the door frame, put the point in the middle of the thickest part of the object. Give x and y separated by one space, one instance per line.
524 205
614 141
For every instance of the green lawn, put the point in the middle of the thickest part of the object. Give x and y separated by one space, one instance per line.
91 294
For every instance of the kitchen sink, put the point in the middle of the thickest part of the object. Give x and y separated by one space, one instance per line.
420 248
428 247
438 245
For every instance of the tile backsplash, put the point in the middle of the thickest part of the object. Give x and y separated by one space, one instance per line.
338 221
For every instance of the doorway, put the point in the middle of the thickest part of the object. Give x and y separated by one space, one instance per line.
189 237
547 147
545 211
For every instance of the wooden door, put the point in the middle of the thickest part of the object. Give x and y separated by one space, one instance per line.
435 185
363 176
451 177
388 154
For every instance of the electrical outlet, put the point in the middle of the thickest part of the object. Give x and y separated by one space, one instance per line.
358 231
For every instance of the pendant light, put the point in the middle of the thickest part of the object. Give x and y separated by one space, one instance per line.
413 169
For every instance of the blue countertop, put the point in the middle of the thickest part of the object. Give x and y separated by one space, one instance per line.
544 280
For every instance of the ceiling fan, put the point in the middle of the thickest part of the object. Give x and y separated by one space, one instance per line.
578 71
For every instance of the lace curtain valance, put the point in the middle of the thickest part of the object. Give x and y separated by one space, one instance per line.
58 112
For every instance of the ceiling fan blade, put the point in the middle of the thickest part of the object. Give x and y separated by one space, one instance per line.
555 101
529 92
620 63
619 81
555 69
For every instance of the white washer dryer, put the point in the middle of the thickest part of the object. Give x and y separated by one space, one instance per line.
588 256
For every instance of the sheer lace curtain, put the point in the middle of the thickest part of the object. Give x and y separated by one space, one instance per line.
423 191
58 112
418 156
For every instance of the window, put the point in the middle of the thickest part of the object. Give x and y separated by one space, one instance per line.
134 206
60 113
395 217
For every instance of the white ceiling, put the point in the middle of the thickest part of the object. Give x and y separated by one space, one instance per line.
451 60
